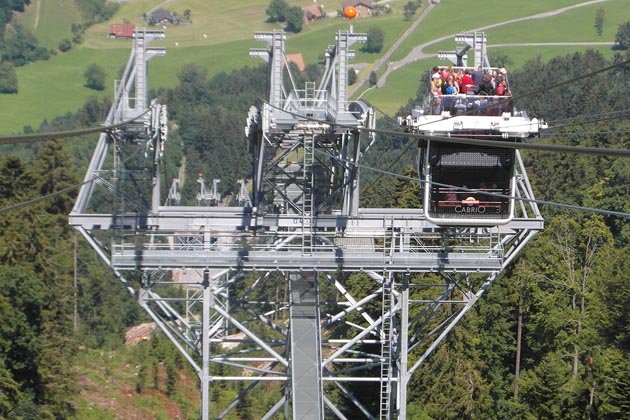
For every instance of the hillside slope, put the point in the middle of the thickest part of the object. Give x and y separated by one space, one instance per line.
50 21
110 388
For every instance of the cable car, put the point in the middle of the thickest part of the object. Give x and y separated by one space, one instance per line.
467 184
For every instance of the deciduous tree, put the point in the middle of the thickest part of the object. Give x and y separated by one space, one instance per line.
373 78
8 78
352 76
294 16
410 9
277 10
20 46
95 77
375 40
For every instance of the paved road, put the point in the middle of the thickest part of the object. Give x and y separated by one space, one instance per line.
385 58
418 52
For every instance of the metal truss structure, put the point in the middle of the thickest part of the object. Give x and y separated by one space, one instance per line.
465 42
362 295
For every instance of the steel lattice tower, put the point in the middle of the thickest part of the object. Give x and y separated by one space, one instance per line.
300 233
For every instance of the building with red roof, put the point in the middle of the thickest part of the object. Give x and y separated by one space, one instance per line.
311 13
121 31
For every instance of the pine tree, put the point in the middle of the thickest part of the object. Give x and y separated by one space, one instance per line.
599 21
53 166
15 180
41 247
407 189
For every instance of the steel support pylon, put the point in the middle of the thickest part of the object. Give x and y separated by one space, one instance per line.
300 287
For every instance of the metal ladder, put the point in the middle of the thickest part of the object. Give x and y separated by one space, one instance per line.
308 194
386 349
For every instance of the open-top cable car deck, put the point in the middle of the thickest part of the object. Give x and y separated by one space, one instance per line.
467 184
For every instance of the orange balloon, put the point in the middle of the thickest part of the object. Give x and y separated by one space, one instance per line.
350 12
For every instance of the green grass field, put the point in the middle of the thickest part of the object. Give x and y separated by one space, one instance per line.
220 21
573 26
399 91
451 17
50 21
55 87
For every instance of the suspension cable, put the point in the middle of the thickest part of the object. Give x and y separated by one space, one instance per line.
23 138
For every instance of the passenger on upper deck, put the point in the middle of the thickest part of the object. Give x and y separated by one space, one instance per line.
494 78
436 100
447 73
486 88
436 81
459 74
506 104
477 76
466 81
501 88
452 88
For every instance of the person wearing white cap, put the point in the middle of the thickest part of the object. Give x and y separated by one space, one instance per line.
436 80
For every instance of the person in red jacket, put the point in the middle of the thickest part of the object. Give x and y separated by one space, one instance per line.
501 88
466 81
